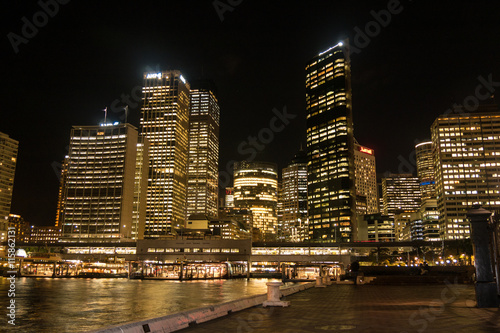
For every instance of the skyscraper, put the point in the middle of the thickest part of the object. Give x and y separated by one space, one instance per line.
425 170
165 123
366 178
330 146
401 192
255 189
60 197
294 221
140 188
203 157
467 165
8 159
99 187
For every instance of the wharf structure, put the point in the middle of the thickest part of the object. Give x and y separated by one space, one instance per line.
157 257
207 257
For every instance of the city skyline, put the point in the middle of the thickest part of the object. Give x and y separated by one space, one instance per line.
104 61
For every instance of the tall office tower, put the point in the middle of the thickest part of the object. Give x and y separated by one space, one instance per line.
62 186
8 159
99 191
366 178
425 170
294 199
255 189
279 213
401 193
140 188
203 156
22 228
430 220
165 123
330 146
467 164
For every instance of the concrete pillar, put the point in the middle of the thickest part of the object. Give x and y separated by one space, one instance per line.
327 280
486 289
319 282
249 265
273 295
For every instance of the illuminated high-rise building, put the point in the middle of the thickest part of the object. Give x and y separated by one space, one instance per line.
256 189
165 123
425 170
279 214
8 159
401 193
99 187
330 146
467 165
140 188
430 220
294 221
22 228
62 186
366 179
203 157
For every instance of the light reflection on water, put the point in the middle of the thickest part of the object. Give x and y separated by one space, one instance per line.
46 305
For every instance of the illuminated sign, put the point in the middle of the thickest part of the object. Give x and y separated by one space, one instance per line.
183 79
153 76
366 150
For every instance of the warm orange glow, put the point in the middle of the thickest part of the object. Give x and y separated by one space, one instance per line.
366 150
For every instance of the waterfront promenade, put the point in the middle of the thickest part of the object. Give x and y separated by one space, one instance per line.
365 308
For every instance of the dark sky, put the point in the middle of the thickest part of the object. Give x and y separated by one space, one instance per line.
428 56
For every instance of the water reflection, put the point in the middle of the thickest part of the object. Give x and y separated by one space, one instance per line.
77 305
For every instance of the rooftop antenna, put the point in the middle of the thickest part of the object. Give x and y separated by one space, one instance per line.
105 114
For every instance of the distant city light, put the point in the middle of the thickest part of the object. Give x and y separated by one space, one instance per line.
182 79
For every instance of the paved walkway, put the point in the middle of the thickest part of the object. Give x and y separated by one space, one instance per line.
365 308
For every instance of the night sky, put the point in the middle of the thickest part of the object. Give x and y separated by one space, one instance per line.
426 57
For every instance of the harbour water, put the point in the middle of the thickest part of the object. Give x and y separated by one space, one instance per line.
46 305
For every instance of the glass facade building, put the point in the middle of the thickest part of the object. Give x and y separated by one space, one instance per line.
8 160
165 123
203 157
293 197
401 192
425 170
256 189
467 164
330 146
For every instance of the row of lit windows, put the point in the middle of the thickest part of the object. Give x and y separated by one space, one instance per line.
192 250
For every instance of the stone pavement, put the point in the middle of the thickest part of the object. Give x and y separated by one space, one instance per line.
365 308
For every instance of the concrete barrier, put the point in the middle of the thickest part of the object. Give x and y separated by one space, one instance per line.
178 321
